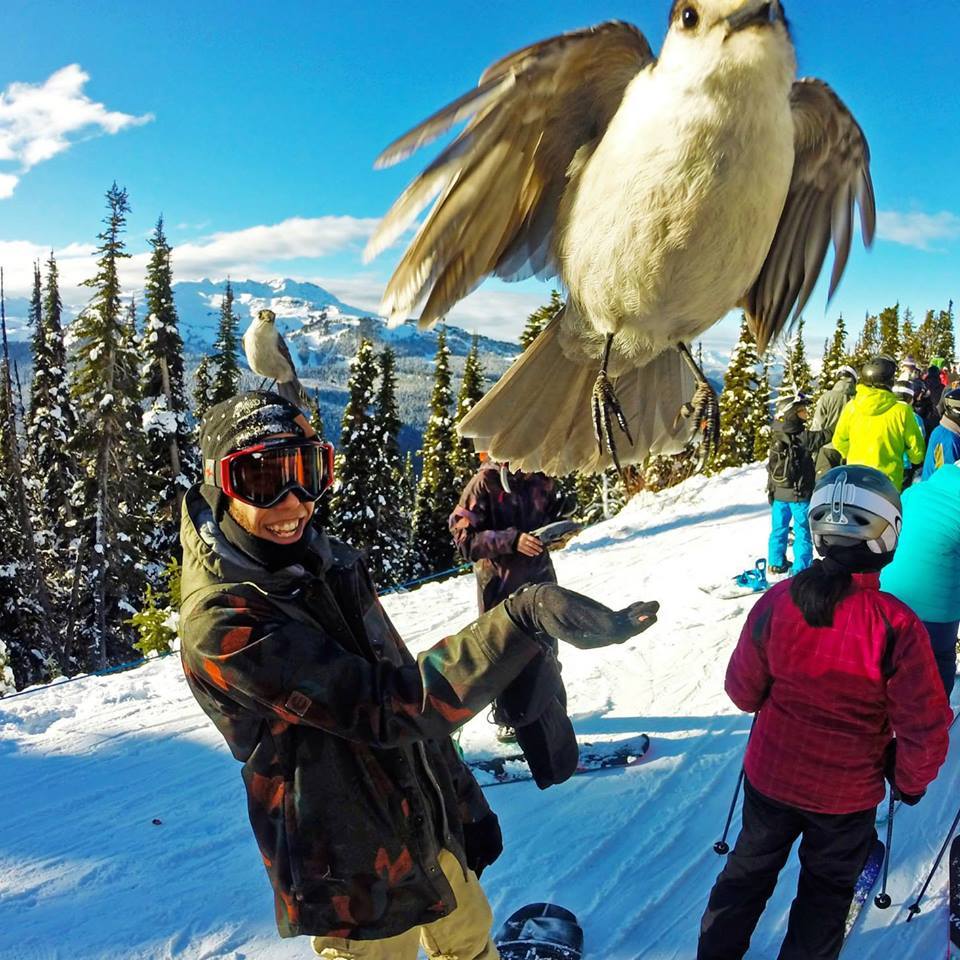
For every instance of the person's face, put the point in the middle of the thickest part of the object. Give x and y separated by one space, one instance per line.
285 521
803 413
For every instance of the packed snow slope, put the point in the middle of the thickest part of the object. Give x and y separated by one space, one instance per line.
87 769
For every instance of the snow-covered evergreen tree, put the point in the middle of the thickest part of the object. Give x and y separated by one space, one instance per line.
105 389
944 343
889 331
797 375
910 342
868 343
202 397
38 349
834 357
226 379
463 456
171 454
540 318
738 405
321 512
760 414
437 493
390 559
353 517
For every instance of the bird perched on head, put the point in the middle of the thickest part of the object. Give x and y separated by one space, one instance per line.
662 192
268 356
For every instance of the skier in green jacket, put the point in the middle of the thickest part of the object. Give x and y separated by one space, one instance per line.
875 428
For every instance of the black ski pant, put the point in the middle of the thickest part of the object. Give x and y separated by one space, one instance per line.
833 851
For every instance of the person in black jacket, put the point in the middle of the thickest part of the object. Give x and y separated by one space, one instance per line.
790 482
371 827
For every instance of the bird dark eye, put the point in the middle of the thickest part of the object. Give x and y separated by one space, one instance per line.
689 17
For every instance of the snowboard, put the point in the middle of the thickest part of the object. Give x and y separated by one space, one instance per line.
953 939
865 884
541 931
742 585
512 768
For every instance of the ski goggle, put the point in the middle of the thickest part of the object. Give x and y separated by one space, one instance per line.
263 474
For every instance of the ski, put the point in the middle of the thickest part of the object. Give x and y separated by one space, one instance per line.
865 884
540 931
953 940
512 768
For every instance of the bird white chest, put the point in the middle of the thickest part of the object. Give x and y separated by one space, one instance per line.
673 215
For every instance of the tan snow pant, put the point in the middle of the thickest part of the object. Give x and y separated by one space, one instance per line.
463 935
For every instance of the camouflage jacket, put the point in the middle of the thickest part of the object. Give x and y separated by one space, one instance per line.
353 784
487 522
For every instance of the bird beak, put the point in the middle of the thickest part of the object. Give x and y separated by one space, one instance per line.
756 13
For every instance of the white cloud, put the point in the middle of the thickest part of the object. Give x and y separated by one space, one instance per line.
38 121
918 230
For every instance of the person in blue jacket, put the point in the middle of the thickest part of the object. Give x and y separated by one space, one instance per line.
943 447
925 573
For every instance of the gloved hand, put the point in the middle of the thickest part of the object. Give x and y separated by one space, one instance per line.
482 842
889 771
545 608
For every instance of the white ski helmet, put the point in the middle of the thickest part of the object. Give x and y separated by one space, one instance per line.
855 504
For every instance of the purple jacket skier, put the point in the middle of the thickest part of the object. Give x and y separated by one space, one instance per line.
491 527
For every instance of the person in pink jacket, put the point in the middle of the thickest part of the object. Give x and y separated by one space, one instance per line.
834 670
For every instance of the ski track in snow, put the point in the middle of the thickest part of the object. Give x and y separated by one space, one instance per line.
85 768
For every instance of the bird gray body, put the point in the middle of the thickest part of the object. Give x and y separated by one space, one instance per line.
663 193
268 356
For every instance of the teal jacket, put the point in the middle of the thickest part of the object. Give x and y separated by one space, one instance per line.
925 572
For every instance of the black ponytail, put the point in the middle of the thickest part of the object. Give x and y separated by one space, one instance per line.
817 590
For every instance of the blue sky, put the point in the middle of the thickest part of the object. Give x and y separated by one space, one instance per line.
253 128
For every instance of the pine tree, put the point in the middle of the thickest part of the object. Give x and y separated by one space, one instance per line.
202 395
26 613
738 405
390 560
171 455
868 344
226 380
463 456
437 493
889 322
797 375
321 512
105 390
944 341
759 422
353 517
540 318
910 341
834 357
38 347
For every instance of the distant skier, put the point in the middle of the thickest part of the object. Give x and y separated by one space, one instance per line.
268 356
943 446
925 573
831 404
833 669
875 428
372 830
790 480
492 527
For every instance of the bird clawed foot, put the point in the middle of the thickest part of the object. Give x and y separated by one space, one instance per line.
605 406
704 408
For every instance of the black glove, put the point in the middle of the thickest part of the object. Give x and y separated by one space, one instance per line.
889 771
557 612
482 842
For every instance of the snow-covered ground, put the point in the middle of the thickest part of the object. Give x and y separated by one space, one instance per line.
123 831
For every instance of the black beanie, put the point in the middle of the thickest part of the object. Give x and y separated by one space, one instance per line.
243 420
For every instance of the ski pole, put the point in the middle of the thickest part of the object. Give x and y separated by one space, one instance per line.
882 899
721 847
914 908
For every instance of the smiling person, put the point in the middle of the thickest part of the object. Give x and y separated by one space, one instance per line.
372 829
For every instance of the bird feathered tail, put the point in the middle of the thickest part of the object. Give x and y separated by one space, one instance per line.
537 416
293 391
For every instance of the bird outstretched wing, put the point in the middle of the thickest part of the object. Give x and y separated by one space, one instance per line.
831 172
500 181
